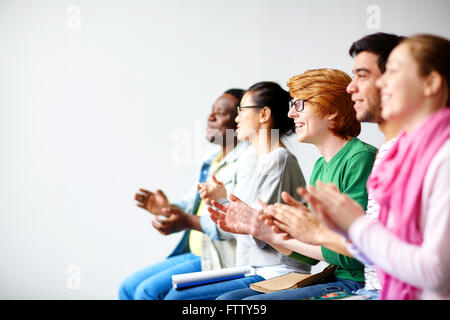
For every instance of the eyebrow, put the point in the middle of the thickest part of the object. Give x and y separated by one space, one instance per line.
361 69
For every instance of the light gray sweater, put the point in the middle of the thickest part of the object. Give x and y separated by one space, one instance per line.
274 173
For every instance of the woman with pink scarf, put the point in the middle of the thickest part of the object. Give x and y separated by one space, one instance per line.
410 243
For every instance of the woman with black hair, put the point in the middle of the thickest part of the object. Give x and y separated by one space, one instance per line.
262 120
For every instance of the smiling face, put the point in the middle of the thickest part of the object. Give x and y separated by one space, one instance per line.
309 127
221 118
364 92
402 87
248 119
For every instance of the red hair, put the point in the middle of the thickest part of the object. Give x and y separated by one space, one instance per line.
326 90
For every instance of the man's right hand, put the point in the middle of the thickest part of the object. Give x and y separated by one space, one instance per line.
152 202
177 220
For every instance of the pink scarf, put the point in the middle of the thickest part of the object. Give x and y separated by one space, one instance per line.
396 184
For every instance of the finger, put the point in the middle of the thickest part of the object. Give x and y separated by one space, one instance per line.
217 214
262 203
217 217
160 192
284 213
327 193
168 211
233 198
219 206
322 215
214 179
214 216
156 225
286 237
275 229
269 210
139 197
320 196
291 200
264 216
268 222
304 193
281 227
330 186
140 205
222 225
146 191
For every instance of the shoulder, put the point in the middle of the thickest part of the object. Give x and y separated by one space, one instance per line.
360 151
440 164
319 163
359 146
282 155
210 154
276 161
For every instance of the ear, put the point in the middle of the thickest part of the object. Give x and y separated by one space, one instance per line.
265 114
332 116
433 83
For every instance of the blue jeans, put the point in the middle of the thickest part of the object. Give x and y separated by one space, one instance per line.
153 283
368 294
294 294
213 290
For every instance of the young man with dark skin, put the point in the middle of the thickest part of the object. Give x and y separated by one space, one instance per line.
155 281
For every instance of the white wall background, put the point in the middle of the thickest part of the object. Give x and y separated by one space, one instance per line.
95 94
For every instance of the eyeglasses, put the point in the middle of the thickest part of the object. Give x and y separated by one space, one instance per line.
299 104
243 107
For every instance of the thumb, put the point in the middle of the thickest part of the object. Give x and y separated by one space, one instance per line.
290 200
262 203
214 179
233 198
160 193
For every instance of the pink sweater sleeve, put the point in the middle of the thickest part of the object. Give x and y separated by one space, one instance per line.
426 266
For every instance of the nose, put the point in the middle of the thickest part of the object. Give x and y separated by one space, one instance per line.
292 113
351 88
380 82
236 119
211 116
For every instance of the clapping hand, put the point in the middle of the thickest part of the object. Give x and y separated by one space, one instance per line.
152 202
213 189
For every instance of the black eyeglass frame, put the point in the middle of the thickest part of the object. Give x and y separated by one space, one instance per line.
293 103
244 107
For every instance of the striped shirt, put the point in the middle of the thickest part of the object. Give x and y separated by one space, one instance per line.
372 212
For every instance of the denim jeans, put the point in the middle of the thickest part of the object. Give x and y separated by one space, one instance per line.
153 283
295 294
368 294
213 290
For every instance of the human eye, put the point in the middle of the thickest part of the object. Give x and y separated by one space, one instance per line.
362 75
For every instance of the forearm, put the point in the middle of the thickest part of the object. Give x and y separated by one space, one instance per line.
286 247
193 222
424 266
336 243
